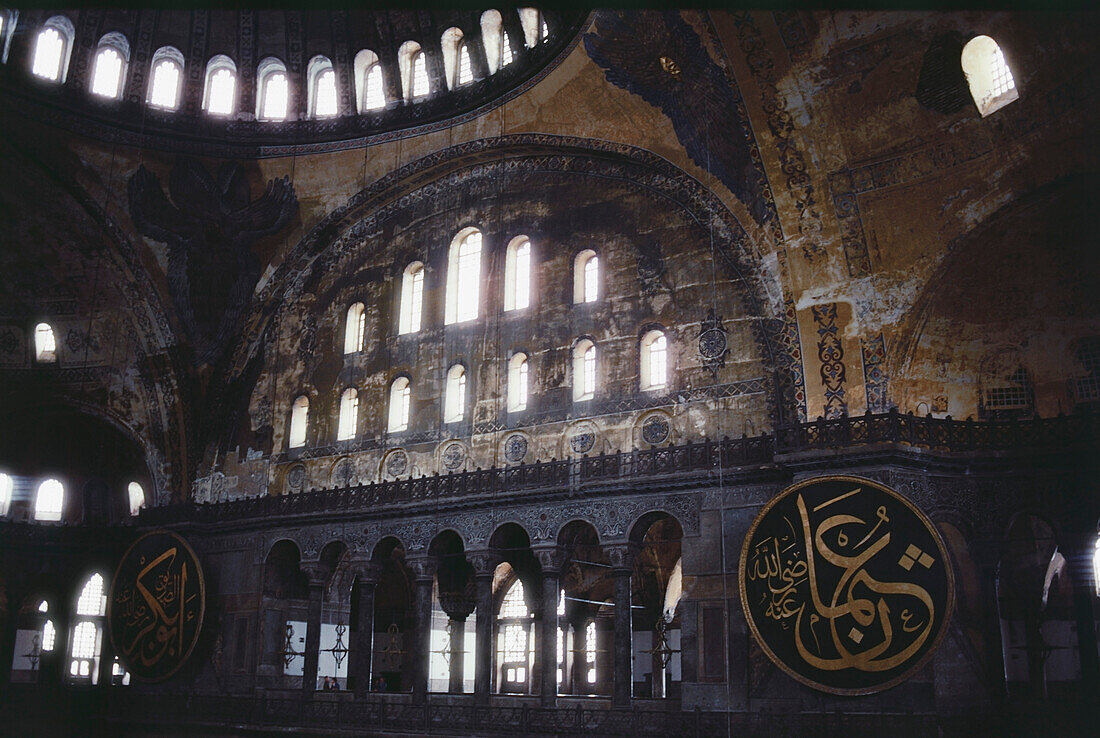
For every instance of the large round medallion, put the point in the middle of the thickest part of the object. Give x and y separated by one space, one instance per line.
156 605
846 585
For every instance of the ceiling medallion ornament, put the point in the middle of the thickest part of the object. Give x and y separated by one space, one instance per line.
846 585
713 342
453 456
156 605
397 463
655 429
515 448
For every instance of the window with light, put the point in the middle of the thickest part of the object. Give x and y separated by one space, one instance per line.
107 72
349 413
87 635
274 90
517 383
584 371
515 650
52 49
455 394
586 277
45 345
6 487
464 277
49 501
420 86
355 328
412 298
654 361
400 396
322 88
220 94
517 274
465 68
136 496
165 83
991 82
299 416
505 49
491 30
375 99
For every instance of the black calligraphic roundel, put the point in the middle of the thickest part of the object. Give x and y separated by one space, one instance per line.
846 585
156 605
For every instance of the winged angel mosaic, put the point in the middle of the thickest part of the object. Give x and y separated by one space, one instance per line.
846 585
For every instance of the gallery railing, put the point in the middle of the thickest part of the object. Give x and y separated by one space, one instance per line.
666 465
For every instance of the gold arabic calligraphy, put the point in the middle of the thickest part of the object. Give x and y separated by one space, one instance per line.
815 582
154 610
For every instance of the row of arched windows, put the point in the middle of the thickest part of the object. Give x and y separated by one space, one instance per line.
653 372
463 288
86 639
53 48
49 498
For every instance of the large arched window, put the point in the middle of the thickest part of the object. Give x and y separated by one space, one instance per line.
322 88
987 72
136 496
414 70
349 414
49 635
88 633
6 486
52 49
110 64
49 501
412 298
463 277
584 370
272 90
220 93
299 417
586 277
517 383
654 361
455 394
400 395
369 91
515 647
491 35
534 26
517 274
45 346
166 80
355 329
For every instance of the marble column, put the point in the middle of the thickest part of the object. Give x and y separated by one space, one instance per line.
622 562
484 566
458 606
313 631
546 657
362 640
420 643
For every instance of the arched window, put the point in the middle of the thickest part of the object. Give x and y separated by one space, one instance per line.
136 496
49 501
299 416
6 486
88 635
517 274
584 370
455 395
272 90
166 80
45 347
590 651
400 395
420 86
463 277
505 49
220 92
412 298
654 361
52 49
349 413
369 93
534 27
49 636
1005 387
987 72
355 328
110 63
515 651
414 70
517 383
465 66
322 88
450 43
586 277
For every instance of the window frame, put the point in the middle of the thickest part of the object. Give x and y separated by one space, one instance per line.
355 324
459 296
411 299
581 391
118 43
298 426
980 72
347 422
318 67
46 352
455 394
266 71
401 389
513 274
581 277
649 340
54 513
215 64
131 497
366 61
66 32
169 54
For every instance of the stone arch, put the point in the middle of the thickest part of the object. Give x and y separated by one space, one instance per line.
282 574
347 226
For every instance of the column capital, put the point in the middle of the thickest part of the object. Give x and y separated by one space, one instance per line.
422 567
457 605
316 573
550 558
368 572
621 555
484 562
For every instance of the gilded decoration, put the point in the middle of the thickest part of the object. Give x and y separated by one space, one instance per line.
156 605
846 585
